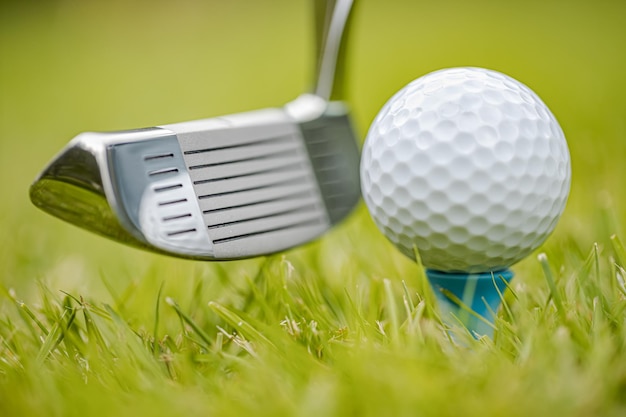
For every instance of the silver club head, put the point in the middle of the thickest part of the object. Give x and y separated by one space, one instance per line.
230 187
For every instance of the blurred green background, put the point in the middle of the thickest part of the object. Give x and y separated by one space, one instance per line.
69 66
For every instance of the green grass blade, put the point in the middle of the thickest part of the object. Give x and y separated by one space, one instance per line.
197 329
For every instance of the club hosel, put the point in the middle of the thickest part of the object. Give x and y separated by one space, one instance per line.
457 293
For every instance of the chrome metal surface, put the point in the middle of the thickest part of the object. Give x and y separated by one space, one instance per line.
332 17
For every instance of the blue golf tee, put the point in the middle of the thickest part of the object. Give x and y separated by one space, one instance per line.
457 293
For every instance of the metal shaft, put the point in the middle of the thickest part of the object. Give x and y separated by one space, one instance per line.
332 22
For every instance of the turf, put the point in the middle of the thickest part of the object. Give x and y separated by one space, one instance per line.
342 326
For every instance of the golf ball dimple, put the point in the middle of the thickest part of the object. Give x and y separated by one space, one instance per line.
467 165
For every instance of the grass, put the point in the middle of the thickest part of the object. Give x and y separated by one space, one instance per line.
344 325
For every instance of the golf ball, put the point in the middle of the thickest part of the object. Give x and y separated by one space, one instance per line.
467 165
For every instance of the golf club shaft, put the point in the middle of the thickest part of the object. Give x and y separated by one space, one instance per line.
331 24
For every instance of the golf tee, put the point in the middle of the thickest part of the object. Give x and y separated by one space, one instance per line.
470 299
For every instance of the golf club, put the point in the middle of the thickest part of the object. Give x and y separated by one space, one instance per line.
229 187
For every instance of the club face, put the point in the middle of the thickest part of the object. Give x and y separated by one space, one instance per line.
226 188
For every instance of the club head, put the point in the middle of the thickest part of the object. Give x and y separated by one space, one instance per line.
230 187
224 188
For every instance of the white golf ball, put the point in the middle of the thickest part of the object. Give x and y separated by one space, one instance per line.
467 165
